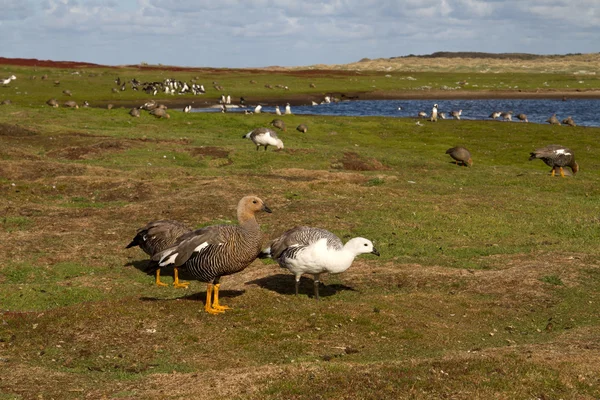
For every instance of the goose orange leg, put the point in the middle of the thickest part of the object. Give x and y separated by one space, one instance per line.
158 282
176 283
562 173
216 305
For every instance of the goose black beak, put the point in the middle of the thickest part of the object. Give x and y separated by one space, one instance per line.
375 252
266 209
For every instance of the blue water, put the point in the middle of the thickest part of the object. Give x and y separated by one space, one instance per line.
538 111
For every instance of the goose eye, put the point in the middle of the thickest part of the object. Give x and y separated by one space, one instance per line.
254 201
366 244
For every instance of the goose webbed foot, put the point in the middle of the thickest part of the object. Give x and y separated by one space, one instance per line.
177 284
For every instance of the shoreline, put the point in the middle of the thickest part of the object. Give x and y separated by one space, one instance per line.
306 99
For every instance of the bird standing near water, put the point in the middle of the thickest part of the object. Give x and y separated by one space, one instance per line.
506 116
277 110
556 156
434 113
214 251
456 114
157 236
288 109
569 121
308 250
522 117
553 120
460 154
495 114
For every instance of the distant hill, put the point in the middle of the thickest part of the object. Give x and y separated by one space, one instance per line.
498 56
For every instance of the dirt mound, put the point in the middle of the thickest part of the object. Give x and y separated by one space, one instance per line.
354 162
15 131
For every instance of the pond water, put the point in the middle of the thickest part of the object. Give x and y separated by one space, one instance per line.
583 111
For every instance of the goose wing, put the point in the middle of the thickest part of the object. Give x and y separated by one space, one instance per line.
191 243
300 237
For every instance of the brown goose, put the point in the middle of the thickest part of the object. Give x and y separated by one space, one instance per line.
134 112
569 121
209 253
302 128
6 102
52 103
456 114
556 156
67 92
308 250
553 120
71 104
277 123
157 236
159 112
522 117
460 154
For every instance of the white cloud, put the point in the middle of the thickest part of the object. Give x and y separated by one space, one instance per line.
290 32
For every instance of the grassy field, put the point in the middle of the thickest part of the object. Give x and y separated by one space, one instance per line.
487 286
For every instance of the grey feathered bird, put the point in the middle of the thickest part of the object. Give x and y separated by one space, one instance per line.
556 156
522 117
308 250
159 112
569 121
157 236
302 128
264 137
134 112
52 103
71 104
209 253
277 123
460 154
553 120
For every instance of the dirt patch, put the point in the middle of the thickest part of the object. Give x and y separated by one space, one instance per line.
15 131
32 170
84 152
354 162
209 151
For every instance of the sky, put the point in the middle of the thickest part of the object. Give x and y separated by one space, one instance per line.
259 33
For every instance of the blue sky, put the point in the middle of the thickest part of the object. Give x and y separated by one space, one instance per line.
256 33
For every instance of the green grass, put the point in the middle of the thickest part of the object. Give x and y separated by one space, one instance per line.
486 287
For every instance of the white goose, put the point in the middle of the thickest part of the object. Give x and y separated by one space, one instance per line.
257 109
288 109
277 110
264 137
308 250
7 80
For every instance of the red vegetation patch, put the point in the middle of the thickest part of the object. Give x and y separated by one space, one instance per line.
33 62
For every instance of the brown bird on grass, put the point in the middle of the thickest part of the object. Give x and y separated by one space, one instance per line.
209 253
460 154
556 156
71 104
302 128
134 112
277 123
157 236
52 103
160 113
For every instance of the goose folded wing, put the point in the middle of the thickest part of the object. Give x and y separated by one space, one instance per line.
188 245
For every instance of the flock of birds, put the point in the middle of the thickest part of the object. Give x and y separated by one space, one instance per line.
495 115
209 253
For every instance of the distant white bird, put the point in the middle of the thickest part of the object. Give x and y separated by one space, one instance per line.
495 114
434 113
264 137
7 80
442 115
288 109
228 99
327 99
187 109
223 99
257 109
422 114
277 110
418 123
314 103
